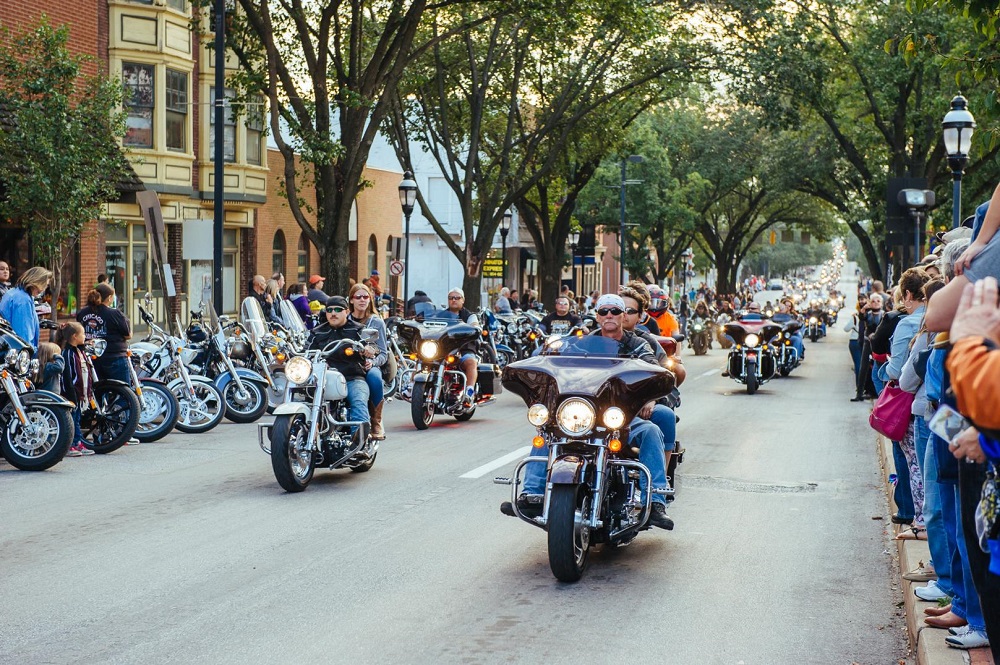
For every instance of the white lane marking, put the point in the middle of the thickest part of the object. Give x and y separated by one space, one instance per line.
481 471
708 373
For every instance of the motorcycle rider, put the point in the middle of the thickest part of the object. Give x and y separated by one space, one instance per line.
338 326
562 319
784 315
703 314
469 362
642 433
816 309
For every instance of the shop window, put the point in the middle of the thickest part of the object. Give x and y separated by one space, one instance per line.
388 257
255 130
138 80
372 254
303 258
179 5
229 137
177 110
278 252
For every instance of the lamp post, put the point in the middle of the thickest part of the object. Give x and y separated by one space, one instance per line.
958 126
407 197
504 230
574 240
635 159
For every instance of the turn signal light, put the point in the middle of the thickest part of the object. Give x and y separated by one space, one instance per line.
349 352
451 359
412 356
615 445
280 357
579 333
538 442
532 336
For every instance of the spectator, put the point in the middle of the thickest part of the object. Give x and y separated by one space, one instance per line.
5 284
18 304
296 295
502 304
316 294
102 321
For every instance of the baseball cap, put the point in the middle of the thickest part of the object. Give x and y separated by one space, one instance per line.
610 300
374 273
337 301
316 278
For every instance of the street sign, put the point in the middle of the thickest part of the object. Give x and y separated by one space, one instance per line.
396 268
493 267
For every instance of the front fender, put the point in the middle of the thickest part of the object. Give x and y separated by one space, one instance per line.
112 382
44 397
567 470
504 347
195 378
224 378
292 408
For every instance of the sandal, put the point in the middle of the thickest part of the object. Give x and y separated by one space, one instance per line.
912 533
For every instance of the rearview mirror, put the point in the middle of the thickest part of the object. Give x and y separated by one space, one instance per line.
369 335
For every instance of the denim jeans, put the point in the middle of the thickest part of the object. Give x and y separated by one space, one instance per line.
357 399
797 344
77 431
901 492
937 538
663 417
879 384
113 368
855 348
642 433
375 386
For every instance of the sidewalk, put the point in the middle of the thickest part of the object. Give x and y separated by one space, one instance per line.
926 642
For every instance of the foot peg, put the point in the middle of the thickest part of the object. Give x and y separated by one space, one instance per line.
501 480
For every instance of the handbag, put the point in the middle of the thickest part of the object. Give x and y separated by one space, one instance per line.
891 415
988 510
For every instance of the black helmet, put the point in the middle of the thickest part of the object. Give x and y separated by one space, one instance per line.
240 350
196 333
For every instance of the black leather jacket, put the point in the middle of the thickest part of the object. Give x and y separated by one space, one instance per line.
352 368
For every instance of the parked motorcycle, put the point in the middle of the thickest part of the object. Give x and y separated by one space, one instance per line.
36 426
311 427
159 356
582 397
264 346
159 408
111 418
752 360
439 383
244 391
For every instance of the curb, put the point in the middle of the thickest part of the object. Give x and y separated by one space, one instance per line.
926 643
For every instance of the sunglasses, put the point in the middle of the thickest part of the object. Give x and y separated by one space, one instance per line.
362 296
454 297
335 309
631 310
613 311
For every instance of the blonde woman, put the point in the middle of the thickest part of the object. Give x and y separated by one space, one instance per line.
18 304
363 312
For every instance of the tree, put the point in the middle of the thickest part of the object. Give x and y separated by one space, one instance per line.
327 70
863 112
61 160
523 108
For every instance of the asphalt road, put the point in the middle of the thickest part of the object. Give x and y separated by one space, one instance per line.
186 550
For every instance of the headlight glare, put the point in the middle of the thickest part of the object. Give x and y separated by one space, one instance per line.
813 320
752 340
298 370
575 416
614 418
538 415
428 349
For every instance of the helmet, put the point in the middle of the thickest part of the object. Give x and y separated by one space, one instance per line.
240 350
196 334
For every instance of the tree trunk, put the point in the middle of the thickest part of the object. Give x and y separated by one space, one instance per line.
472 285
549 277
869 250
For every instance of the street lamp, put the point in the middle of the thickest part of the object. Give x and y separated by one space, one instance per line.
508 215
916 202
635 159
958 125
407 197
574 240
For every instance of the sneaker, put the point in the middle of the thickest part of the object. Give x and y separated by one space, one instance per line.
84 450
470 395
133 442
960 631
922 573
658 517
972 639
930 593
74 451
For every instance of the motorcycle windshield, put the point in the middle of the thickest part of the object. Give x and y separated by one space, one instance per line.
291 317
252 318
587 366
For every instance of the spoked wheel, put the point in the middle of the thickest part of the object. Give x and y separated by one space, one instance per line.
291 459
159 411
39 444
505 358
246 405
422 408
569 535
201 411
751 379
276 395
109 427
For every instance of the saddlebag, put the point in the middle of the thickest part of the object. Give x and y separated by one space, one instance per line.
489 380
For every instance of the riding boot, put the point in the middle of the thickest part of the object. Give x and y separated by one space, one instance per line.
378 433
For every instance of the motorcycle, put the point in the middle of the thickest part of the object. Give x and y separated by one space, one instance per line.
498 353
438 382
311 427
264 347
814 328
752 360
582 397
720 330
244 391
788 356
159 408
397 379
113 415
36 426
161 356
699 331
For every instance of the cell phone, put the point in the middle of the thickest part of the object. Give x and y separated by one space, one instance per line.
947 423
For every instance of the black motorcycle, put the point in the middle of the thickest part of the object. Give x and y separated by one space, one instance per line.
111 418
36 426
699 334
752 360
582 398
439 383
788 356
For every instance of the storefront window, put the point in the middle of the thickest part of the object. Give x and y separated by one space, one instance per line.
278 252
255 129
138 80
303 262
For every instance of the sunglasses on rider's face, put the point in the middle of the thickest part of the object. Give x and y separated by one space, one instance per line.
362 296
631 310
335 309
454 297
613 311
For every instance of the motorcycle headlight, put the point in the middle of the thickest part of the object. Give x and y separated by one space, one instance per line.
298 370
538 415
614 418
813 320
429 349
512 328
19 361
575 416
697 327
751 340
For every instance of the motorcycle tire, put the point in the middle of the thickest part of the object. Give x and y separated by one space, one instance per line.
467 416
292 462
252 410
202 415
569 546
389 388
42 451
784 371
160 411
109 427
421 410
699 347
276 395
813 336
504 358
673 459
751 379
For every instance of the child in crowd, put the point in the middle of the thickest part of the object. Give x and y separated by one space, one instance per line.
51 365
78 379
